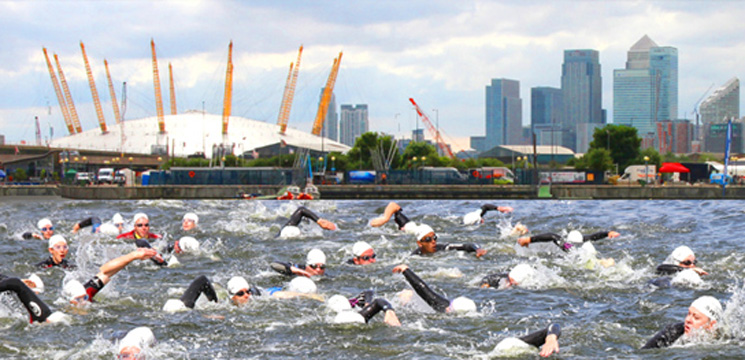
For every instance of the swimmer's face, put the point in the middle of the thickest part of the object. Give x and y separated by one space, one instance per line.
142 227
697 320
130 352
120 227
47 231
316 269
367 257
188 224
689 262
59 252
241 297
428 243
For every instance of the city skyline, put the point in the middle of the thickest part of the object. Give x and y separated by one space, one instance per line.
442 54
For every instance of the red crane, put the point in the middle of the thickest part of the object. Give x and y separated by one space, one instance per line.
432 130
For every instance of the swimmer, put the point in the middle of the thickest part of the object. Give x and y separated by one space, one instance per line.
315 265
58 251
548 338
79 294
290 228
369 307
240 292
704 317
116 226
395 210
573 238
298 287
200 285
141 230
519 274
682 258
46 228
436 301
363 254
189 222
135 342
38 311
186 244
477 216
427 243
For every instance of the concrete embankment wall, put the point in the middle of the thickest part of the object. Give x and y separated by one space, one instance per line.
28 190
682 192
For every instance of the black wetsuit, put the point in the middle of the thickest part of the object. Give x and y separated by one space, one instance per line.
666 337
94 221
142 243
488 207
28 235
496 280
538 338
666 269
433 299
370 306
470 247
49 262
299 214
37 309
200 285
563 245
93 286
285 268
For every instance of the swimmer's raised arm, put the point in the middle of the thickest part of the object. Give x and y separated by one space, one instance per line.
390 209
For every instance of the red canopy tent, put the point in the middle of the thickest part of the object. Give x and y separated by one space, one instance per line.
673 168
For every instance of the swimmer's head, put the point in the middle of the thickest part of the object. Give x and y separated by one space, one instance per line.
338 303
134 342
462 304
704 313
142 225
363 253
189 221
315 262
117 219
349 317
473 218
75 292
302 285
492 280
239 290
58 248
520 273
46 228
35 280
57 239
139 216
187 244
575 237
44 223
683 256
426 239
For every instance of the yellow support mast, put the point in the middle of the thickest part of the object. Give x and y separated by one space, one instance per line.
60 98
94 92
68 97
173 90
289 94
117 116
323 107
228 100
158 98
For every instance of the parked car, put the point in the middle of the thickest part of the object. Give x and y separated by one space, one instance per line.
84 178
119 178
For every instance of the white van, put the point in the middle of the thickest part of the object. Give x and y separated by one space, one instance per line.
634 173
105 176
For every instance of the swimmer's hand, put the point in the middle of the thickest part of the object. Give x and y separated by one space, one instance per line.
613 234
300 272
551 346
524 241
145 253
391 319
504 209
37 236
480 252
400 269
325 224
699 271
608 262
75 228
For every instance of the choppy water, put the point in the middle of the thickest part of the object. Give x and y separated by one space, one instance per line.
604 313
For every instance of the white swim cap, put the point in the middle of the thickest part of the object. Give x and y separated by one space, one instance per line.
139 216
681 253
57 317
410 227
289 232
73 289
302 285
349 317
575 237
338 303
188 244
138 338
174 305
521 272
423 230
463 304
117 219
44 223
513 346
108 229
56 239
236 284
687 277
191 216
589 248
360 247
315 256
472 218
38 284
709 306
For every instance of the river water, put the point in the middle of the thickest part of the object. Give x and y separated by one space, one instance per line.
603 312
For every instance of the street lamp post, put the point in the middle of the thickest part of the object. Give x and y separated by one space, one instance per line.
333 164
646 170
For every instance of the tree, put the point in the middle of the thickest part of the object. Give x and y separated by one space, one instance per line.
360 156
624 143
419 149
599 160
654 157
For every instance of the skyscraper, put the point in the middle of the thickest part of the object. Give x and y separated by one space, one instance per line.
354 122
503 113
546 114
581 87
723 104
646 91
331 123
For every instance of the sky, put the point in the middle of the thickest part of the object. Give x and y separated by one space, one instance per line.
441 53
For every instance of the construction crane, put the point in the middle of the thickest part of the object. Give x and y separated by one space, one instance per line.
112 93
68 98
323 106
94 92
60 98
433 131
228 99
289 94
173 90
158 98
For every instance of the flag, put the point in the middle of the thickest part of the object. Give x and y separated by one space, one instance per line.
255 154
282 143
